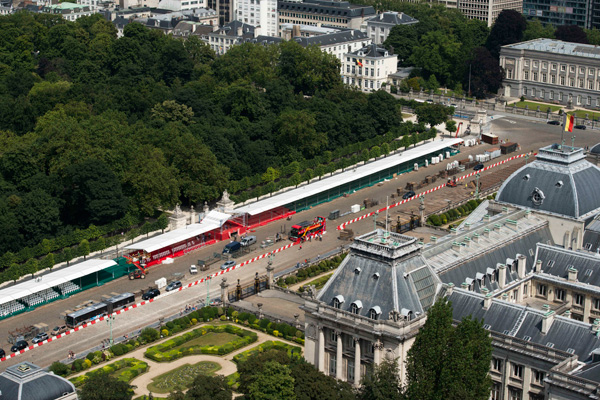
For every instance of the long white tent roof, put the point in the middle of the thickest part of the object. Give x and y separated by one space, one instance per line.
343 178
53 279
213 220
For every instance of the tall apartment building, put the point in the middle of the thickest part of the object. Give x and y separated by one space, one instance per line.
225 9
552 70
258 13
488 10
574 12
339 14
368 68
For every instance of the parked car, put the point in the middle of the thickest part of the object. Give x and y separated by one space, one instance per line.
478 167
2 353
248 240
232 247
20 345
228 264
193 269
553 123
40 338
429 101
579 127
173 285
59 329
150 294
408 195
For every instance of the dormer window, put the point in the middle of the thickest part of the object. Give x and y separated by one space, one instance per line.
375 312
376 275
357 270
337 301
355 307
526 177
559 184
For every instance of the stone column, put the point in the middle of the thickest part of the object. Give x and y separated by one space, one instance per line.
321 350
356 361
270 270
339 358
377 352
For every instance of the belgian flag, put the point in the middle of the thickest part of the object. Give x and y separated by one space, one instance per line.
569 122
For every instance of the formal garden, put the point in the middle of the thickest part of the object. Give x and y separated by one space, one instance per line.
181 377
124 370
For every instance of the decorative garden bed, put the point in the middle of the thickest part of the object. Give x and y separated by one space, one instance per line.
180 378
293 351
186 344
125 370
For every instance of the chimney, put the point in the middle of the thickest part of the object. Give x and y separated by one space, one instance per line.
505 210
497 227
567 314
547 321
476 237
486 232
453 231
450 289
296 31
239 31
572 274
527 214
433 239
464 286
505 296
486 217
456 246
501 275
596 326
487 301
467 241
538 266
521 263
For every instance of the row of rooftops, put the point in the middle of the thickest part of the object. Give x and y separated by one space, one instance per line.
557 47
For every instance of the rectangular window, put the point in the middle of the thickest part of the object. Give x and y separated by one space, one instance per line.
581 70
554 67
589 101
581 83
535 76
571 69
537 377
544 65
515 394
535 64
563 68
496 364
527 63
544 78
517 371
591 71
541 290
496 390
332 365
560 96
597 304
559 294
591 85
562 80
524 91
571 82
579 297
350 371
526 75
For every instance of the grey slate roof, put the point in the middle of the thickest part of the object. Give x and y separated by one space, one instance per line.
595 149
507 318
371 50
590 372
557 261
327 8
558 47
332 38
392 18
401 281
569 185
500 254
264 40
27 381
231 29
591 236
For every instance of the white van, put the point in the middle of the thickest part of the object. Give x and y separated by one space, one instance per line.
193 269
248 240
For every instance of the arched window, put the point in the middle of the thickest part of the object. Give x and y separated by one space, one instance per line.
337 301
375 312
355 307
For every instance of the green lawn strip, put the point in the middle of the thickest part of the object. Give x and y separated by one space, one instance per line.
319 282
210 339
125 370
183 345
582 113
533 106
181 377
233 380
293 351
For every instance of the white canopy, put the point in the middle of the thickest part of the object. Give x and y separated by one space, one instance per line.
213 220
53 279
348 176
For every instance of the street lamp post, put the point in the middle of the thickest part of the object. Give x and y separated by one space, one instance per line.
208 278
109 321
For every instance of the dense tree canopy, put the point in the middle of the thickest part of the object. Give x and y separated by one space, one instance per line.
103 386
508 28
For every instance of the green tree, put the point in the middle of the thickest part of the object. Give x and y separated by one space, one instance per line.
209 388
275 382
320 170
255 364
48 261
385 149
383 383
593 36
402 40
162 222
432 114
171 111
571 33
508 28
112 388
270 175
31 267
486 73
536 30
437 54
310 383
296 179
84 248
297 135
451 126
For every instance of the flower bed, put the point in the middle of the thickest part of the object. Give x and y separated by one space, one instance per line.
124 370
174 348
293 351
180 378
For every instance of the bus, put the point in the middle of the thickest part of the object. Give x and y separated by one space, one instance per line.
117 302
305 229
85 314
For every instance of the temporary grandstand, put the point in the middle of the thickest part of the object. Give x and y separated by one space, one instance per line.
57 285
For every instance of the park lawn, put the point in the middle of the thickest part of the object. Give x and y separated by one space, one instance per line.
210 339
181 377
534 106
581 114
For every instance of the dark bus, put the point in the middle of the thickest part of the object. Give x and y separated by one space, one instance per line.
117 302
75 318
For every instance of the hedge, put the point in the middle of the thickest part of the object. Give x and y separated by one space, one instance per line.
166 352
312 270
293 351
127 368
455 213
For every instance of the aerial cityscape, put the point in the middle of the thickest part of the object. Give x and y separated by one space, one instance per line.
295 200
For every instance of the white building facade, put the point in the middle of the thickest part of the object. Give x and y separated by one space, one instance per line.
258 13
368 68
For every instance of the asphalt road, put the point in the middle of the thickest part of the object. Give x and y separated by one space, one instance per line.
531 136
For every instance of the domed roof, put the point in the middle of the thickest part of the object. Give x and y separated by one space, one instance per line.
27 381
595 149
560 181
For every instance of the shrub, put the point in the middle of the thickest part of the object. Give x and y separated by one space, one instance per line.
59 368
90 356
87 363
194 321
78 365
164 332
149 335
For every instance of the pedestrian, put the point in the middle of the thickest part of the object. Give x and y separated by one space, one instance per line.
318 256
300 247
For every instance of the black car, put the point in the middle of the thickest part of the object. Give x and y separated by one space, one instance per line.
579 127
150 294
20 345
478 167
173 285
553 123
2 353
408 195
